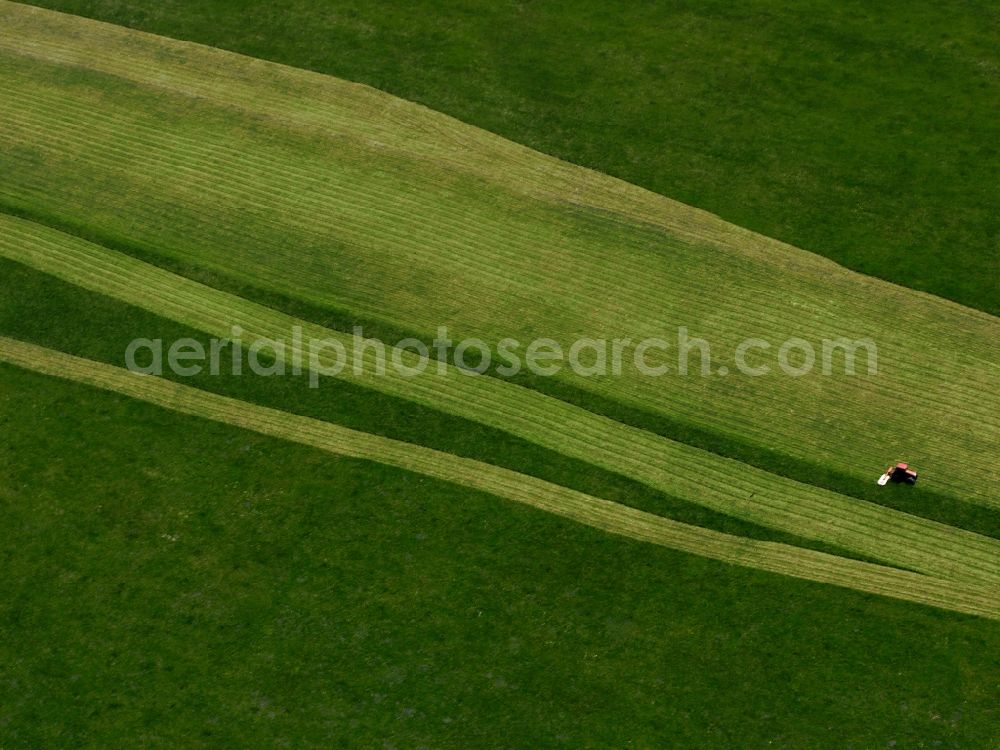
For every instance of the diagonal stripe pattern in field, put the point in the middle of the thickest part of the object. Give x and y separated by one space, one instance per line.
339 194
695 475
618 519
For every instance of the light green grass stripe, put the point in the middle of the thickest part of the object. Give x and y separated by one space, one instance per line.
391 230
698 476
602 514
312 102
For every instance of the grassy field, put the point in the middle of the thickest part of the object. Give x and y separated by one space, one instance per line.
490 251
864 133
40 308
268 569
375 568
960 587
197 591
688 473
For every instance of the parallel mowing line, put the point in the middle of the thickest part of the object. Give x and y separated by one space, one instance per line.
504 417
302 98
967 598
458 259
970 406
748 423
282 177
500 412
166 294
694 475
251 187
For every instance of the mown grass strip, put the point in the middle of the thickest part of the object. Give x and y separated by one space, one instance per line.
691 474
810 565
499 260
313 103
47 311
932 504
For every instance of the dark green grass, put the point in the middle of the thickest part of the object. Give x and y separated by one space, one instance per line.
171 582
866 133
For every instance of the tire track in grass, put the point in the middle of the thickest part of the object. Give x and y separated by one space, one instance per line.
963 597
722 484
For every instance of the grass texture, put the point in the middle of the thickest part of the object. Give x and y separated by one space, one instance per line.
172 581
688 473
607 516
864 133
391 561
343 196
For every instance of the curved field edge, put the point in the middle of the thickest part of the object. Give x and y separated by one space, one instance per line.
688 473
950 431
602 514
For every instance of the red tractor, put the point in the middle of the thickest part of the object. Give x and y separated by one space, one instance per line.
899 474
